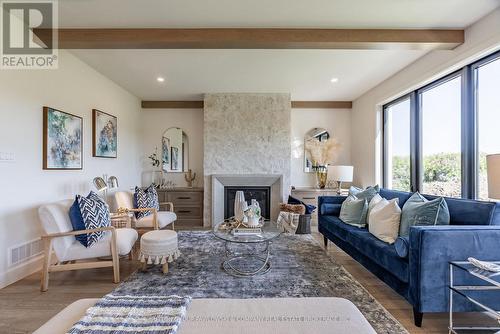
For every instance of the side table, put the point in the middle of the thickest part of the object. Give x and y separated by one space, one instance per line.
492 283
120 220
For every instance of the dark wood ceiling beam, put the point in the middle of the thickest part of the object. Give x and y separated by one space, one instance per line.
254 38
199 104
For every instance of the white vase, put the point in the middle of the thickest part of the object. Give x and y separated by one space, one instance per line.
239 206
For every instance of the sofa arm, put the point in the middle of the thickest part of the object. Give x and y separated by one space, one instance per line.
330 205
431 249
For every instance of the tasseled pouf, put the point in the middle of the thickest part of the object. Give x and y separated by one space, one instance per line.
159 247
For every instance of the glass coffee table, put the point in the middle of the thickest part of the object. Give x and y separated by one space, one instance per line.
247 255
490 282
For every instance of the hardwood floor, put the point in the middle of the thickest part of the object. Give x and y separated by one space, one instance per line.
24 308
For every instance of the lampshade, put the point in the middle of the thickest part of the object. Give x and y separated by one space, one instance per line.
493 167
113 182
100 184
340 173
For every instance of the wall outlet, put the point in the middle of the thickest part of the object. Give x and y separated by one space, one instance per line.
7 157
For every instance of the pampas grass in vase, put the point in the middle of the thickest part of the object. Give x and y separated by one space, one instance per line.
321 153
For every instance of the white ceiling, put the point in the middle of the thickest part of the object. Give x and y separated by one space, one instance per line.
305 74
273 13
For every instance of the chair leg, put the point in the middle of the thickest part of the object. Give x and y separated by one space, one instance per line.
44 284
116 260
417 317
325 241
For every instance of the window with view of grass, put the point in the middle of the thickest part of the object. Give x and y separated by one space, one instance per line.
440 108
397 149
488 118
452 124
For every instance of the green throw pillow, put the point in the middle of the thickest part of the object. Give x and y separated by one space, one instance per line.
419 211
353 211
367 194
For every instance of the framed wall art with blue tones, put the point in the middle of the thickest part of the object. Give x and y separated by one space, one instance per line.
62 140
104 135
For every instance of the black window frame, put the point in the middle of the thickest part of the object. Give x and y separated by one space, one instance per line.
469 128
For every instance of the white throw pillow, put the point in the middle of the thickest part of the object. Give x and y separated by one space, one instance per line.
385 218
375 200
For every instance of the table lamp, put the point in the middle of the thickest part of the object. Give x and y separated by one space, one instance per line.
340 174
493 168
104 183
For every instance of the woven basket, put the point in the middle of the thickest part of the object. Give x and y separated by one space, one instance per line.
304 226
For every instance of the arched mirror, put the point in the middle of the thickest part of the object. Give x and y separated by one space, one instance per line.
318 134
175 151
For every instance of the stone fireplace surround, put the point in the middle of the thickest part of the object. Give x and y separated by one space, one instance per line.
219 181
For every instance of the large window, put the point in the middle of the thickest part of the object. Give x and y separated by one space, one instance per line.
441 139
437 137
397 146
488 118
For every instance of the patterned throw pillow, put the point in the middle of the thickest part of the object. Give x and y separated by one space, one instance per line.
143 199
95 213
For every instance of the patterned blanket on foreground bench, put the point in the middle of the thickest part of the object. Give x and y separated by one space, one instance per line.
130 314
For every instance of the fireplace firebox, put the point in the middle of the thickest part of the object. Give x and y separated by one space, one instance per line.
260 193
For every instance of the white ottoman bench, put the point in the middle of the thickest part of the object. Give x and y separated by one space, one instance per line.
159 247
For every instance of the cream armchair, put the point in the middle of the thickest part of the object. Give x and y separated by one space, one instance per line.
157 220
60 238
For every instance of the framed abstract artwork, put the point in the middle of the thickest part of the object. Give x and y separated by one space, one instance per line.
104 135
165 144
175 158
62 140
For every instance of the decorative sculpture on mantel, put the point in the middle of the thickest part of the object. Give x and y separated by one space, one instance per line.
189 177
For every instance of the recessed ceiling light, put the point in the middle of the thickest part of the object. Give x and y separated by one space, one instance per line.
334 80
160 79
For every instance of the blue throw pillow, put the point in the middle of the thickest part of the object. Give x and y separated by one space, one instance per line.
95 214
402 246
330 209
77 221
309 208
145 198
367 194
418 211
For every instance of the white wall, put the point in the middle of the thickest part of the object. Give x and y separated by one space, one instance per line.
481 38
24 186
154 122
338 124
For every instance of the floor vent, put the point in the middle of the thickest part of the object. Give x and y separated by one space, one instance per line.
24 252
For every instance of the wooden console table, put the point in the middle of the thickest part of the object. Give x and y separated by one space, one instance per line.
188 205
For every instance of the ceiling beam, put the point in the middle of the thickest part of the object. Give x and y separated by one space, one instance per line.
172 104
322 104
199 104
254 38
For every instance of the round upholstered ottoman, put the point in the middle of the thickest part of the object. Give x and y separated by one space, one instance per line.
159 247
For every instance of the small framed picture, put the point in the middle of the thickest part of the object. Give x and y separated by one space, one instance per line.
104 135
62 140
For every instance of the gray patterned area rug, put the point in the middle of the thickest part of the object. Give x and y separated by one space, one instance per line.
300 268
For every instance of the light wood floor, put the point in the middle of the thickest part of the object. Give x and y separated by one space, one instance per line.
24 308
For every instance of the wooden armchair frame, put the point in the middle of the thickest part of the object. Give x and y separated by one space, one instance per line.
49 267
155 217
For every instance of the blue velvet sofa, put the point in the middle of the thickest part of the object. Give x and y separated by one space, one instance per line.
422 277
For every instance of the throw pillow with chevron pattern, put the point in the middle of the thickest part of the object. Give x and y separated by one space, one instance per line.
145 198
95 214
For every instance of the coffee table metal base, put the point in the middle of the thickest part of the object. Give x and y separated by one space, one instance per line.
230 265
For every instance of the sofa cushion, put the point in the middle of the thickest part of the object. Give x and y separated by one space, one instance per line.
419 211
353 211
379 252
402 196
402 247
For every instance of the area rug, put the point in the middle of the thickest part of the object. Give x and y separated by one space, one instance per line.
300 268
